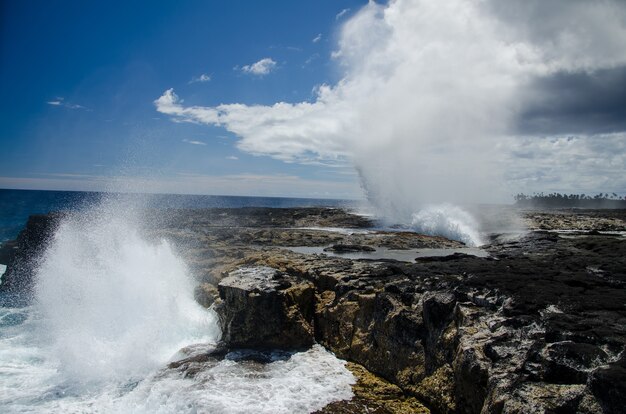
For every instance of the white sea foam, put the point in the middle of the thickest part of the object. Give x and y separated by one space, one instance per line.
301 384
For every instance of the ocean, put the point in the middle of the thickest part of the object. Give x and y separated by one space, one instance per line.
110 310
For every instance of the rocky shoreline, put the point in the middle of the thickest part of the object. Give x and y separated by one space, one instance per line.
537 324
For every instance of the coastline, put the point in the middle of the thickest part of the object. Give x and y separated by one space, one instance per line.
539 323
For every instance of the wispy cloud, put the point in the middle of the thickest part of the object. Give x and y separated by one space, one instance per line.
317 38
311 58
60 101
260 68
232 157
193 142
200 79
341 14
288 48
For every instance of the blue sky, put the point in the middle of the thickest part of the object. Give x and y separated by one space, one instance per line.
78 81
409 102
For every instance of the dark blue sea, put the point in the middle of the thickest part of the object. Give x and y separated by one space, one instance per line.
17 205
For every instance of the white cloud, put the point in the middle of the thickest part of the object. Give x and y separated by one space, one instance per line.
430 91
192 142
200 79
573 164
317 38
289 132
169 104
341 14
260 68
55 103
232 157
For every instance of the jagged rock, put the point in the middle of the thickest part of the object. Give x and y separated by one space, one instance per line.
540 398
374 395
262 308
375 330
570 362
608 384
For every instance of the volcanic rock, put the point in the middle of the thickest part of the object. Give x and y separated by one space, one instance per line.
540 327
262 308
349 248
22 254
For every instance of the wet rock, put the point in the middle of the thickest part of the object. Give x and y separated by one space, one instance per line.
446 258
262 308
570 362
206 294
608 384
349 248
22 254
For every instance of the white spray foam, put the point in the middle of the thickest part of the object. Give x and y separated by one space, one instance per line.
112 304
449 221
304 383
111 309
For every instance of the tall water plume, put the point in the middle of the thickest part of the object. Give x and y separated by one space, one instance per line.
428 92
114 305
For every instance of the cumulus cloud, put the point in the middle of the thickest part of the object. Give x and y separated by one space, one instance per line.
431 92
200 79
289 132
260 68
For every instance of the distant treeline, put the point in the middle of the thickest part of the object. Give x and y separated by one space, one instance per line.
557 200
